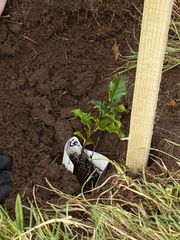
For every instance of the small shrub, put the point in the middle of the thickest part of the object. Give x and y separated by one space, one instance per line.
108 117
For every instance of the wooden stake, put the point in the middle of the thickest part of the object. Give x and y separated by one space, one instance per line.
154 33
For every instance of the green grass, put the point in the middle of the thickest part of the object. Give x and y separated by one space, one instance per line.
141 209
172 56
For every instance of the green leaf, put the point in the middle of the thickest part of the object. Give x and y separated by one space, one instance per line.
117 89
109 121
81 135
120 108
86 118
101 106
19 214
110 124
85 140
89 141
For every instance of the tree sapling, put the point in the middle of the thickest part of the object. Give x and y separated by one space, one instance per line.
108 118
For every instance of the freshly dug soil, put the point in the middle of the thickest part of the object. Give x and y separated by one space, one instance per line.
56 56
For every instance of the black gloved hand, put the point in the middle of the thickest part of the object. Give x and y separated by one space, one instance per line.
5 178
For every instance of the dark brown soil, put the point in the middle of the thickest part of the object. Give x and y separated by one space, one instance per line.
56 56
83 170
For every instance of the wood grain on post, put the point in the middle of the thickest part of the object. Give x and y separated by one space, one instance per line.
154 33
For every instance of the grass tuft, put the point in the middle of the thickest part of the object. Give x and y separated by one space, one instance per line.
134 208
172 55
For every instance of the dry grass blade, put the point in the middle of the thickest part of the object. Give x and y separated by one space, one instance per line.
172 56
132 209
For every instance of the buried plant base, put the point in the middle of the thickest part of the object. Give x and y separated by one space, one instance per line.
88 166
84 170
